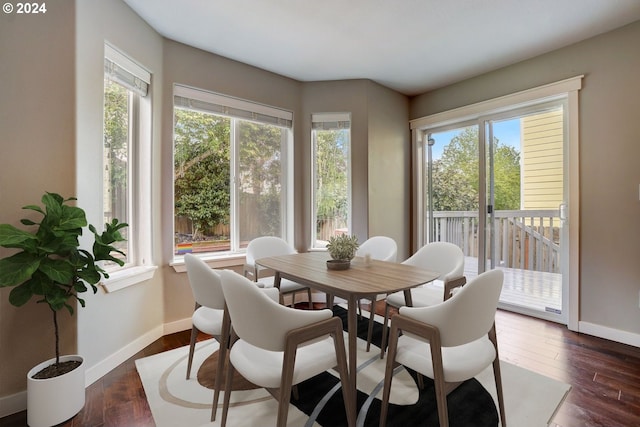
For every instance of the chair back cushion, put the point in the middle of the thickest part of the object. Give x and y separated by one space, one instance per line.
267 246
468 315
205 283
258 319
382 248
442 257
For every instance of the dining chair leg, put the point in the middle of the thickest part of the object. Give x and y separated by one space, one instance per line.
329 301
222 358
497 375
388 376
310 298
372 314
222 354
385 332
286 385
438 382
227 394
192 345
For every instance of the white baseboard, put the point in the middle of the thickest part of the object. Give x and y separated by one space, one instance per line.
611 334
13 403
100 369
177 326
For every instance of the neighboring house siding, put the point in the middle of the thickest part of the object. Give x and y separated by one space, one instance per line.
542 160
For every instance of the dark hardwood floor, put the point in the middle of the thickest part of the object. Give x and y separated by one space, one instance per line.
605 377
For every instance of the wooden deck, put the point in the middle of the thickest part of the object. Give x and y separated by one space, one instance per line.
533 290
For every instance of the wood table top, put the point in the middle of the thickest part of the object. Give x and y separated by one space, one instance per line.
361 279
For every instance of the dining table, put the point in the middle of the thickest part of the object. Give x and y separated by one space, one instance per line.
365 278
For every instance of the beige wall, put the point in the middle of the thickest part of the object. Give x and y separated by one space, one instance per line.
37 141
609 172
389 171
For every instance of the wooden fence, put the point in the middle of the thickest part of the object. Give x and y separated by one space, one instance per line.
528 240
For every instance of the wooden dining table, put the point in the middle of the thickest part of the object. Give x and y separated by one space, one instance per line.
364 279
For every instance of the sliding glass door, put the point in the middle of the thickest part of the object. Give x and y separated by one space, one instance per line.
496 188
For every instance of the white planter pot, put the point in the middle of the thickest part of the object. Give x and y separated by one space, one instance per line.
54 400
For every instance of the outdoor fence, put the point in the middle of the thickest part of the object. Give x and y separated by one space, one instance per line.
524 239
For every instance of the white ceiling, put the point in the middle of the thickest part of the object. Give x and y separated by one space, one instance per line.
411 46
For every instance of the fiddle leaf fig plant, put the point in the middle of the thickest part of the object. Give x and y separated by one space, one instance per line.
50 264
343 247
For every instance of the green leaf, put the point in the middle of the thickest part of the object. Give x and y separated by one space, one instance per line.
58 270
72 217
20 295
34 208
79 286
53 203
25 221
12 237
17 268
89 275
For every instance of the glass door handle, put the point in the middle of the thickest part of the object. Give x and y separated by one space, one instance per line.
563 212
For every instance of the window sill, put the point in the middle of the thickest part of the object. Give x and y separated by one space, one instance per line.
218 261
127 277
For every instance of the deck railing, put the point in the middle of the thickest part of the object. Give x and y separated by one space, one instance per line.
524 239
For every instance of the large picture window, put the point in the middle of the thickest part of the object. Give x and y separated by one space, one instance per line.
331 160
230 172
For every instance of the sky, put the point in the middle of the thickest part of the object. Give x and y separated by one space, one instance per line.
507 132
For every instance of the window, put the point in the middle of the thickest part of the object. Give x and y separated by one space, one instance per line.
331 160
231 172
126 145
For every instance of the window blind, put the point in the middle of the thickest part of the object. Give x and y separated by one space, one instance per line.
209 102
121 69
330 121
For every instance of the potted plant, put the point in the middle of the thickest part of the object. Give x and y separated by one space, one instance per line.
51 266
342 249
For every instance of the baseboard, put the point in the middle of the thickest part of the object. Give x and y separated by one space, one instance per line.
97 371
611 334
13 403
177 326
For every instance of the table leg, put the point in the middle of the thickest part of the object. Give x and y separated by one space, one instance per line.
352 333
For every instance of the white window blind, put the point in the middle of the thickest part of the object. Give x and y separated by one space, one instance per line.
330 121
119 68
209 102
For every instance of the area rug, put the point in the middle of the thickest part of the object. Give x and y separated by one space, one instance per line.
531 399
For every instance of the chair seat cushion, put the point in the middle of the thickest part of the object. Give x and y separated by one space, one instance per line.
460 363
423 296
286 285
208 320
264 367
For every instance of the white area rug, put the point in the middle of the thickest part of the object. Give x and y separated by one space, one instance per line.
531 399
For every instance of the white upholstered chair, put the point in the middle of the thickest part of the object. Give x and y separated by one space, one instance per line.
381 248
266 246
277 347
450 342
445 258
209 315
